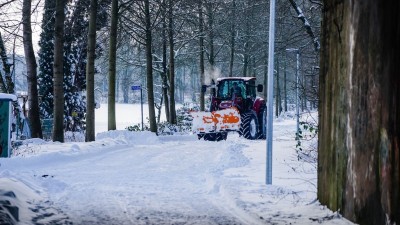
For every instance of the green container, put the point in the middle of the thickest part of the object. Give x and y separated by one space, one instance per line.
5 124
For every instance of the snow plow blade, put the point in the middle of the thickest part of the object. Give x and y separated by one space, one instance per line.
216 121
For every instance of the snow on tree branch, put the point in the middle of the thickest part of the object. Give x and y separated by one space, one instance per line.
306 25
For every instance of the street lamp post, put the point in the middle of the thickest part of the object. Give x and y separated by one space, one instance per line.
297 51
271 47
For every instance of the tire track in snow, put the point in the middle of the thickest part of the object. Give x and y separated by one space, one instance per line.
169 182
232 158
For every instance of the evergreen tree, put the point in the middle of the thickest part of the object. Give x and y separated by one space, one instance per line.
74 67
75 58
46 60
75 48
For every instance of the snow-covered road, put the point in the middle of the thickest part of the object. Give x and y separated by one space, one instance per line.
168 183
139 178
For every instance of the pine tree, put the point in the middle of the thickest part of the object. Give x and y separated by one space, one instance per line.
75 48
74 67
46 60
75 59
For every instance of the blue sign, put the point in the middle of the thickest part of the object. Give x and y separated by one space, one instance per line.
136 87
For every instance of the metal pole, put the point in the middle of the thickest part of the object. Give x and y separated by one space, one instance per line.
270 90
297 93
141 104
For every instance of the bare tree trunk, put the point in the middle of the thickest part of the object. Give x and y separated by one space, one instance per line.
265 76
201 63
245 59
90 119
58 124
3 55
359 124
159 109
164 74
246 50
31 66
233 33
211 53
278 91
3 88
303 90
126 85
112 66
284 85
6 85
172 113
149 65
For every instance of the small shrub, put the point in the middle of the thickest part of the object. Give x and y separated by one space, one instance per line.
306 147
183 125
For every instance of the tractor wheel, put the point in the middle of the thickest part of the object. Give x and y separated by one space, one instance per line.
219 136
249 126
263 124
224 135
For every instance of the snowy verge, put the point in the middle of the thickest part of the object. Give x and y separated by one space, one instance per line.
104 140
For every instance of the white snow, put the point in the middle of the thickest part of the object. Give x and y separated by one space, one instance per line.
8 96
126 115
140 178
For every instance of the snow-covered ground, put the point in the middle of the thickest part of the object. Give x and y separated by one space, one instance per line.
140 178
127 115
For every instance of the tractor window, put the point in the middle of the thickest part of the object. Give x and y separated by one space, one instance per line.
226 87
243 87
252 89
223 90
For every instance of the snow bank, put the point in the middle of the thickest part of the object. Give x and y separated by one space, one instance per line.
129 137
104 140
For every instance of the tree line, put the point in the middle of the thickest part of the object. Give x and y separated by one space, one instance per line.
169 47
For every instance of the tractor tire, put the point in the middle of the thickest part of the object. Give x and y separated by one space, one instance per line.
249 126
263 124
219 136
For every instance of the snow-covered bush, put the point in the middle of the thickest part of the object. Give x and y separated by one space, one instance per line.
137 127
183 125
307 140
71 136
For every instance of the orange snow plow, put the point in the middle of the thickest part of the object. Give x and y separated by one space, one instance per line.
216 122
234 106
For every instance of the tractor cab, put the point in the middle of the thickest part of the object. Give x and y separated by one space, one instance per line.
236 91
229 89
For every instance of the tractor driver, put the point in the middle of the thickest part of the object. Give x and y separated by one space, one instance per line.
236 90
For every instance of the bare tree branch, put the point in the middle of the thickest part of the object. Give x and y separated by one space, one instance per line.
6 3
307 25
316 2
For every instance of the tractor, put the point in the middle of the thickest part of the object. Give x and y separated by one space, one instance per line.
234 106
